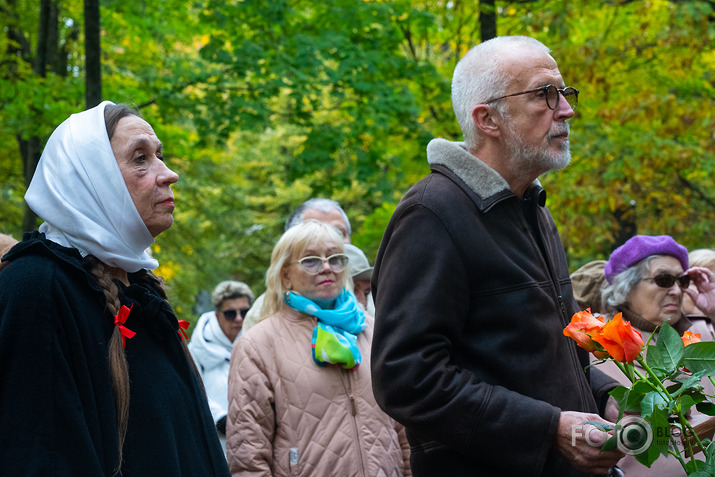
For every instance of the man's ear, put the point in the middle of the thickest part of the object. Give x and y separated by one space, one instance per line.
486 119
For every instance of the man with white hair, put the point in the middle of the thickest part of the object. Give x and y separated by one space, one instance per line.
472 288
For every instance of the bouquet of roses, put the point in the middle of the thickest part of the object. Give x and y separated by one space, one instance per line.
665 387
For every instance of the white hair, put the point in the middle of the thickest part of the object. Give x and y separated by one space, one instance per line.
479 76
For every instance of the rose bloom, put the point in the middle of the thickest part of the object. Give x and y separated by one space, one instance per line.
582 327
619 338
690 338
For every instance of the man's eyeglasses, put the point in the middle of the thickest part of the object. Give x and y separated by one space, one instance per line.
231 315
666 280
551 93
313 265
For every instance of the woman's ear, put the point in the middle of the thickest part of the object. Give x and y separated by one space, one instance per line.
486 119
285 279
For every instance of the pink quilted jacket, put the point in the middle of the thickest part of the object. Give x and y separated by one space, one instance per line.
289 417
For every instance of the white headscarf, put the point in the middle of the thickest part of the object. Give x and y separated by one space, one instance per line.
79 191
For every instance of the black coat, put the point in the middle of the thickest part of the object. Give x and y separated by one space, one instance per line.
468 351
57 409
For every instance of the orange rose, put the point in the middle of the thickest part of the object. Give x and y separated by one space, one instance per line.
690 338
583 326
621 341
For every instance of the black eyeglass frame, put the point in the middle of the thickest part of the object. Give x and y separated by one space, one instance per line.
667 280
231 315
559 92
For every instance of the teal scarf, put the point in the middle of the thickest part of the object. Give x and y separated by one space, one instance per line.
335 336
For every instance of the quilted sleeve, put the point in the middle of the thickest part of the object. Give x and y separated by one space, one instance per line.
405 447
251 418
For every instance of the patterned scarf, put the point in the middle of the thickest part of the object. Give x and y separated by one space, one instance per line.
335 336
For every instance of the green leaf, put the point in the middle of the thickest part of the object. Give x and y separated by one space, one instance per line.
670 346
654 358
710 459
700 357
648 457
707 408
652 401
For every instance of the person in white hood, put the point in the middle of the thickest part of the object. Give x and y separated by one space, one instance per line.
211 344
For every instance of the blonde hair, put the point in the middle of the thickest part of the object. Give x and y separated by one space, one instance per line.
293 243
702 257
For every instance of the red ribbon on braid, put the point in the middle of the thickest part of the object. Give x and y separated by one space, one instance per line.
183 325
119 320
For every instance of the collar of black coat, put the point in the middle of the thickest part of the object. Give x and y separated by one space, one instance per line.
35 243
479 177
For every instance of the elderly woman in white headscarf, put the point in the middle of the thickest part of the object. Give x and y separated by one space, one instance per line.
96 378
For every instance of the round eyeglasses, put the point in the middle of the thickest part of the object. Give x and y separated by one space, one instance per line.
313 265
551 93
666 280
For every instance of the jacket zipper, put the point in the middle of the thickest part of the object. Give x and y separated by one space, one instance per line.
353 411
580 376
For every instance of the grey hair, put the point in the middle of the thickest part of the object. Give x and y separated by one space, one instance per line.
479 77
615 294
114 112
316 203
228 290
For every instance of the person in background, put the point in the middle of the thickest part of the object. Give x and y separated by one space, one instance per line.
360 271
645 281
6 243
299 390
96 376
472 288
318 208
587 283
211 343
700 321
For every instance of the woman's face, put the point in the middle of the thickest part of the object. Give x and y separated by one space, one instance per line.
231 328
326 285
139 155
656 304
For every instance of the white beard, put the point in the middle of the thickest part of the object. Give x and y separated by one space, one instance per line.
530 157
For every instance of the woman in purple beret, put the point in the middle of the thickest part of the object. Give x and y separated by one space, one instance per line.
646 280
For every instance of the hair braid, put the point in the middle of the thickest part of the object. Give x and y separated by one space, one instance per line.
118 365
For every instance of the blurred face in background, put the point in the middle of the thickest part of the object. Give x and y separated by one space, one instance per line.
230 316
362 291
654 303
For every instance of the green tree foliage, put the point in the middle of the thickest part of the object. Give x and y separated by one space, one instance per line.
261 105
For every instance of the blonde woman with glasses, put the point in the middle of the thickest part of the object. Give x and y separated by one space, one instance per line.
300 393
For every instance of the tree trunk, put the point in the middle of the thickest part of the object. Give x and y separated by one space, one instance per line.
487 19
92 53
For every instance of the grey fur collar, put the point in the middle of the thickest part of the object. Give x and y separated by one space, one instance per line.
481 178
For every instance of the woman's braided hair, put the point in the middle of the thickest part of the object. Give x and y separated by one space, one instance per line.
118 366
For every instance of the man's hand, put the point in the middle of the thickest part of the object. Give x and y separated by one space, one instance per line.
611 411
581 443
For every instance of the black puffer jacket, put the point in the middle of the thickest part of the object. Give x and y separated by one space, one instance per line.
469 352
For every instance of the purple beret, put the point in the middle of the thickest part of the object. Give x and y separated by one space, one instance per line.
641 246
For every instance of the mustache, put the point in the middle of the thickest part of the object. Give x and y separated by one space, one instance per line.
559 129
